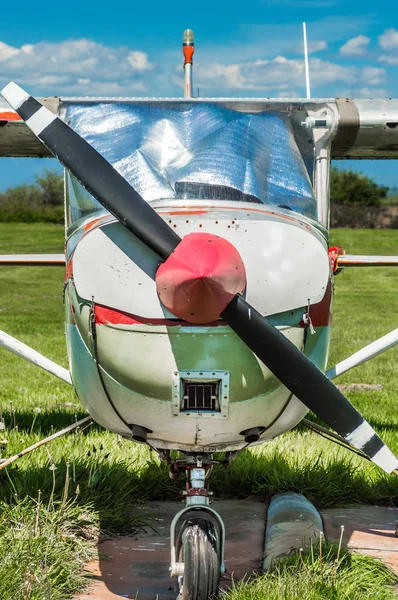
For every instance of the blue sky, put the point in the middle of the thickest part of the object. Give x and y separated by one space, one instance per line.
251 48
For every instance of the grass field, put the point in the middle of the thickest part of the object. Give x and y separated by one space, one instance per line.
93 480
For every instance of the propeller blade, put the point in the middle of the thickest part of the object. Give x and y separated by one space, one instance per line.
94 172
306 381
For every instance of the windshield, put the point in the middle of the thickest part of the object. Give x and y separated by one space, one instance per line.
195 151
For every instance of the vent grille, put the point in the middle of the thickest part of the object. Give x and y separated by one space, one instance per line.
201 395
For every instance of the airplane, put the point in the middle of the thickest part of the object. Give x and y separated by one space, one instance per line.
198 282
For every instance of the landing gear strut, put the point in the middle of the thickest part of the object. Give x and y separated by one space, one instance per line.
197 534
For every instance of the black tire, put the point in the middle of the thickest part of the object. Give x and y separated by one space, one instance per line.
199 551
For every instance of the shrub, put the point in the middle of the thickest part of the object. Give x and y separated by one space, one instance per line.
348 188
40 202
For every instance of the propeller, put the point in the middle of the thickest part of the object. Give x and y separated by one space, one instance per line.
94 172
281 356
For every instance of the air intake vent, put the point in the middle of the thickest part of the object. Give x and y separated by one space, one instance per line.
200 395
203 394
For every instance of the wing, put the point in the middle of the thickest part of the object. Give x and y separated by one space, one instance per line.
361 129
15 138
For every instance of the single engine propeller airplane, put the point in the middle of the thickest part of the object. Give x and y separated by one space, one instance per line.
199 284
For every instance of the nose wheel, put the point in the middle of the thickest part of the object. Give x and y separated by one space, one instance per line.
199 551
197 535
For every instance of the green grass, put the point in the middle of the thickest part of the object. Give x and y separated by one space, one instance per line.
43 548
334 575
112 475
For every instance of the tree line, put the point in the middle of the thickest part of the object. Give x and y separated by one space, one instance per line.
43 200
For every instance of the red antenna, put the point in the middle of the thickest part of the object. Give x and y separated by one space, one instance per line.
188 48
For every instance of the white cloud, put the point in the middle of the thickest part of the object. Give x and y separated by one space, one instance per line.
284 77
139 61
277 75
84 67
365 92
28 48
373 75
356 46
324 72
388 60
288 94
52 79
78 66
7 52
314 46
317 46
389 39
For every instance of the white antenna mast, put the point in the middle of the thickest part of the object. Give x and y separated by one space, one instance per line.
307 71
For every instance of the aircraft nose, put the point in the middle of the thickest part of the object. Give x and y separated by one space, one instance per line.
200 278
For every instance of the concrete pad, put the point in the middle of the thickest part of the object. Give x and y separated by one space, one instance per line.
292 523
138 567
367 529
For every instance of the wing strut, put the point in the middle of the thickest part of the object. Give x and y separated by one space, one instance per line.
362 260
20 349
358 358
32 260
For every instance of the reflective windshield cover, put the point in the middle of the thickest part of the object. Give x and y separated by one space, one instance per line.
195 151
